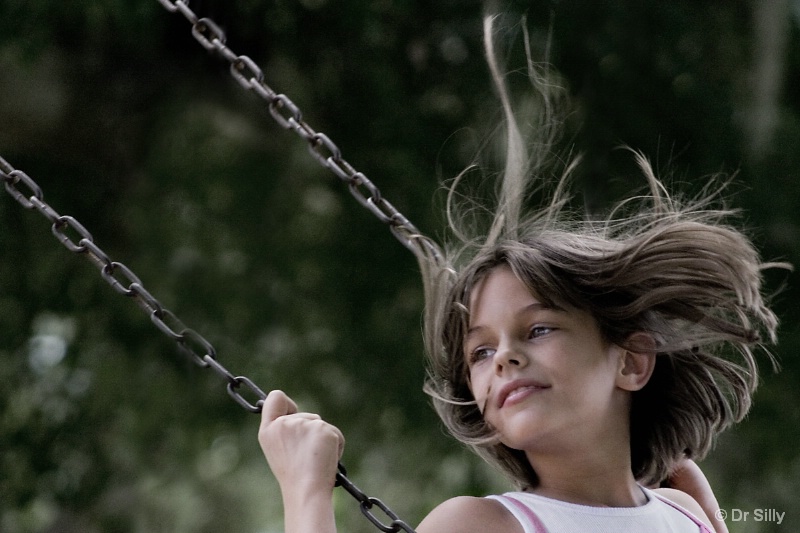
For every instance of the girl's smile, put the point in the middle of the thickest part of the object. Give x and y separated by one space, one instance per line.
543 376
518 390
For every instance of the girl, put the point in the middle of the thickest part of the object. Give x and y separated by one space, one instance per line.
587 360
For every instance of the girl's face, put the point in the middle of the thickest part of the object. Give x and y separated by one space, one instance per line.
543 377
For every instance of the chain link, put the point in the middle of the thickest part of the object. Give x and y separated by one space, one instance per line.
124 281
286 113
367 503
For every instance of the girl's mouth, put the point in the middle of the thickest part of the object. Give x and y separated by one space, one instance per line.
515 391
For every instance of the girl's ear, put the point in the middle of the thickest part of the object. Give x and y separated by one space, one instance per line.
637 361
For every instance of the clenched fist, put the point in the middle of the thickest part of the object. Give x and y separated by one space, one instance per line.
302 450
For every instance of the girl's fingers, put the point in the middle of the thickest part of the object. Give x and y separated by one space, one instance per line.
306 416
301 448
340 437
277 404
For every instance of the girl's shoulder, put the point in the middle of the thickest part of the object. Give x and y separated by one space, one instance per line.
685 501
467 514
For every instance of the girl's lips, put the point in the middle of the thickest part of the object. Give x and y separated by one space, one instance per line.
517 390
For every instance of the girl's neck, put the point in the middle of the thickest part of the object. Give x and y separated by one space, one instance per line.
595 479
597 495
591 465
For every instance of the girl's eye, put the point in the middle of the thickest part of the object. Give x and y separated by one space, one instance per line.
480 354
538 331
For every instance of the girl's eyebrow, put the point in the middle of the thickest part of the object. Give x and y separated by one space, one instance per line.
535 306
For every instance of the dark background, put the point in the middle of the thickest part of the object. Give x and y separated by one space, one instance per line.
135 130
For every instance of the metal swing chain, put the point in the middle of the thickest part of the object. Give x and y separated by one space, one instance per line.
76 238
286 113
124 281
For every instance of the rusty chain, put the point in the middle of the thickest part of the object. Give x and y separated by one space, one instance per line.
77 239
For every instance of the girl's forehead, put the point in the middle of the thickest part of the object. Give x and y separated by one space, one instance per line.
501 283
502 289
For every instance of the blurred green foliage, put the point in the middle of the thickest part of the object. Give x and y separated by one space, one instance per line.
135 130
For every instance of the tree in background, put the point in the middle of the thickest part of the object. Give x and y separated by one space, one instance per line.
128 125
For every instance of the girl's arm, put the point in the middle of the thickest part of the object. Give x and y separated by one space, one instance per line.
690 479
465 514
303 452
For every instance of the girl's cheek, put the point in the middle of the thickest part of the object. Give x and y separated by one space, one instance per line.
479 392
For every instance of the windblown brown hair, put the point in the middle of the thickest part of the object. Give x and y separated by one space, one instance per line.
677 270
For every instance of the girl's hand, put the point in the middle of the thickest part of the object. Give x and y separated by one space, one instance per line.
302 450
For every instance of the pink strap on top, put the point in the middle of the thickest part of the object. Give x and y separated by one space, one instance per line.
690 516
538 527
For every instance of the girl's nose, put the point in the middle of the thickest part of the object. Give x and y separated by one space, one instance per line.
508 356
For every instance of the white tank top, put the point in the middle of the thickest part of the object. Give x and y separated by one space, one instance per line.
538 514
